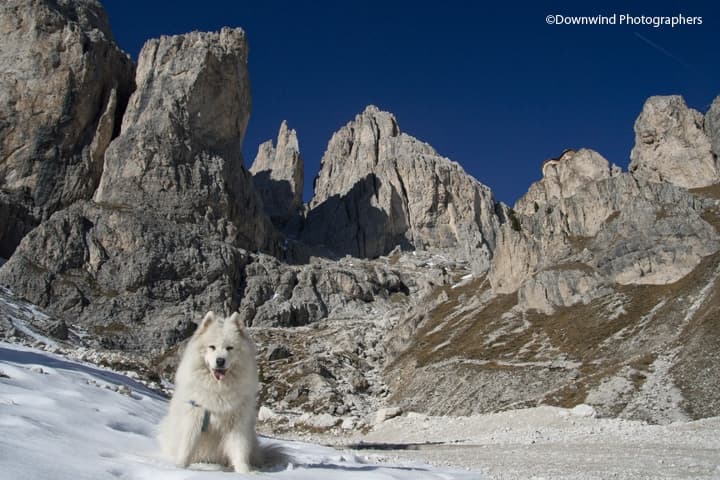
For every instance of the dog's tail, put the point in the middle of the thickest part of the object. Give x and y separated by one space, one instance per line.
270 455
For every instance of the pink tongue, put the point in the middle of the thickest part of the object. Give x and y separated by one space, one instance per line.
219 375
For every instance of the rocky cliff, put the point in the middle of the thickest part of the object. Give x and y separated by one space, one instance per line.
402 281
173 212
63 90
178 154
380 188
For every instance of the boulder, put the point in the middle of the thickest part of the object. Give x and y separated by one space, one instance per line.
278 352
386 413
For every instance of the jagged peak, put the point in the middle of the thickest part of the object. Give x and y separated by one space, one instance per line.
287 138
385 122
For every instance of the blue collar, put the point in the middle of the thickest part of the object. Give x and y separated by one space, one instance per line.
206 416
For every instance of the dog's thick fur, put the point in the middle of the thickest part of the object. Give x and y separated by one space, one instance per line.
212 413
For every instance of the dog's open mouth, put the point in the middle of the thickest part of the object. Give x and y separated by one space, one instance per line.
219 373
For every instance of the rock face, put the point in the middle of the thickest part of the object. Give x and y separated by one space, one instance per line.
278 295
585 212
379 188
174 207
671 145
712 126
598 227
278 173
179 150
564 177
63 90
565 287
131 281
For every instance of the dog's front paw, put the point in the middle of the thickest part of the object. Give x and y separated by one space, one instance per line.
241 467
182 461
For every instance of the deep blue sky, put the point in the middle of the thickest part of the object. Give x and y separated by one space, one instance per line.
492 87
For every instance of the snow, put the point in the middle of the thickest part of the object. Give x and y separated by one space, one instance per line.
66 420
18 312
464 280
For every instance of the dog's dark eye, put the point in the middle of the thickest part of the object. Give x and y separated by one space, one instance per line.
230 348
212 347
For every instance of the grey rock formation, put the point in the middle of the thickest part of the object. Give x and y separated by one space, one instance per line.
63 89
564 176
132 281
174 207
277 352
671 145
653 242
278 173
179 150
279 295
712 126
562 287
619 319
584 211
379 188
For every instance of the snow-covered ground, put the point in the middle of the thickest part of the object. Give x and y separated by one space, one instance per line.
64 420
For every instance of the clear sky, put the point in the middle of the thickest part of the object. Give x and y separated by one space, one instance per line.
489 85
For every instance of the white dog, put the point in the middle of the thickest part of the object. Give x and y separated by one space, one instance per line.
212 413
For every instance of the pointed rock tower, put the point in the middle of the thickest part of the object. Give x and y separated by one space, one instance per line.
278 174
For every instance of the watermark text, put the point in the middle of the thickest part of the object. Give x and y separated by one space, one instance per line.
624 19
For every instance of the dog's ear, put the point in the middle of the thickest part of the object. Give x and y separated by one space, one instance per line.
205 322
236 321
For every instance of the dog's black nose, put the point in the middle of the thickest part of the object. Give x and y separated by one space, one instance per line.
220 362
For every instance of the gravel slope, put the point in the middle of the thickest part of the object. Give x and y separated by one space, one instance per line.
551 443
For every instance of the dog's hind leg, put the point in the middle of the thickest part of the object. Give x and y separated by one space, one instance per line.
239 447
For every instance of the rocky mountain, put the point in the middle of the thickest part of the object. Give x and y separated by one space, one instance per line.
602 290
174 211
402 282
63 90
380 188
